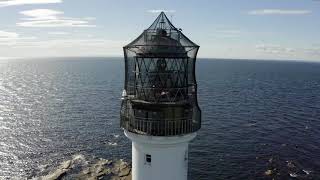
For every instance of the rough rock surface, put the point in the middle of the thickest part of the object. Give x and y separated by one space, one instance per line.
96 170
105 169
59 172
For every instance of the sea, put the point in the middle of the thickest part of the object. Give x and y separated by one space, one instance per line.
260 118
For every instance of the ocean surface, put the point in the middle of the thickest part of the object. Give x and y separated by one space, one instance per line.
261 119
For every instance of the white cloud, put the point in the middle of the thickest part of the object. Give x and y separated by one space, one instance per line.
279 12
90 18
25 2
315 51
41 14
51 18
55 23
64 47
10 37
229 31
274 49
284 52
59 43
160 10
226 33
58 33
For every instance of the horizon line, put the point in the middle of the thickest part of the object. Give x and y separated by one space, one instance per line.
207 58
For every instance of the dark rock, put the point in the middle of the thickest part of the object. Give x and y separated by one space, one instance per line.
293 175
268 172
290 164
271 160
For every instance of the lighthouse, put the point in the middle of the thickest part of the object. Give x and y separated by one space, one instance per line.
159 111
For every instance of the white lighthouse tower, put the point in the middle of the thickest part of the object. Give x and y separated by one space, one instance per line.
160 112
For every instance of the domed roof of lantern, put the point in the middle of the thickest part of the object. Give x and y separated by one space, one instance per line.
161 38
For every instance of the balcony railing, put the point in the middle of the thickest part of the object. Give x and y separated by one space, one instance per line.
152 94
161 127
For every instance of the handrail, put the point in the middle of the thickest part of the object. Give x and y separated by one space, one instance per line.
161 127
145 87
161 119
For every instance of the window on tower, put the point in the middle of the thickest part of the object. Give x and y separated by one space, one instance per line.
148 159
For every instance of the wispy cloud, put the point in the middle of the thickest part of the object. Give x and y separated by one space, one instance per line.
64 47
86 42
6 36
12 38
226 33
25 2
229 31
314 51
274 49
51 18
41 14
90 18
284 52
58 33
161 10
279 12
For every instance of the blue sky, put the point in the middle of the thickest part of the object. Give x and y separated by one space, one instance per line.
248 29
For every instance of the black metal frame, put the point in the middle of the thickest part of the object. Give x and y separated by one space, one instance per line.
160 82
170 85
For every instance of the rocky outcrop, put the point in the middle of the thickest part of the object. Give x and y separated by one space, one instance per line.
94 170
105 169
59 172
277 168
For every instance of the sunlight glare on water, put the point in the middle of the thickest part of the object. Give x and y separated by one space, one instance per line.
257 116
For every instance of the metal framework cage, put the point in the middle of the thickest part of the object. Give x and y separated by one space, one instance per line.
160 96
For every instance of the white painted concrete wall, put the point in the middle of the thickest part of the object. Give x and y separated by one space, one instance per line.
169 157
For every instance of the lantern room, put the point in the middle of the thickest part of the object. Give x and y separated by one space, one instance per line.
160 93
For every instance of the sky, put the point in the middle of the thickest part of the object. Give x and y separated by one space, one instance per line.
238 29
